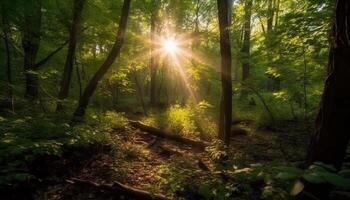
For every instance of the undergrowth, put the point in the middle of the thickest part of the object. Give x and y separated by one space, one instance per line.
192 120
25 137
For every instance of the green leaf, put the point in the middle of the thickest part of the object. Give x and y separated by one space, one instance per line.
293 170
314 178
289 173
297 188
317 168
344 173
325 166
337 180
268 179
286 176
205 191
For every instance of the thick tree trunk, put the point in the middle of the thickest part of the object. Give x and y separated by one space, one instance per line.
68 69
246 40
329 142
225 51
90 88
8 103
154 62
30 43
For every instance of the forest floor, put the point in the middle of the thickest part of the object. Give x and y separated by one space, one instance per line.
158 165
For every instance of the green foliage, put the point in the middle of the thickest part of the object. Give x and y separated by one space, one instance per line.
175 178
25 138
192 120
271 181
216 150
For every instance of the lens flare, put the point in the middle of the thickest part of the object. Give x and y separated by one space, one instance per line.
170 45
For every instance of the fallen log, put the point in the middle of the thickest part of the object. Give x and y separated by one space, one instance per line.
119 189
168 135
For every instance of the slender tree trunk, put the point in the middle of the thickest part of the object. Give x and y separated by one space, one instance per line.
154 62
331 137
305 86
78 77
246 40
225 51
68 69
270 14
139 93
30 43
90 88
277 12
9 92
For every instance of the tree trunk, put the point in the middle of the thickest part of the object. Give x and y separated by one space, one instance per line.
331 137
246 40
226 80
68 69
277 10
154 62
78 77
8 103
139 93
30 43
270 14
90 88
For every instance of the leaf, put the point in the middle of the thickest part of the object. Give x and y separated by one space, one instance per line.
344 173
337 180
317 168
292 170
325 166
314 178
286 176
268 179
205 191
297 188
289 173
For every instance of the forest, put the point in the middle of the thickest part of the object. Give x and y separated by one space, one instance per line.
174 99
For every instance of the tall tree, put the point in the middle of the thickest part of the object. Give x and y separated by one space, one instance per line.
270 14
226 80
8 103
68 69
246 39
154 61
90 88
30 42
332 133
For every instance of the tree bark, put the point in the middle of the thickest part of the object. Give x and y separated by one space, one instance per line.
90 88
139 93
331 137
277 10
154 62
226 80
246 40
30 43
8 103
270 14
68 69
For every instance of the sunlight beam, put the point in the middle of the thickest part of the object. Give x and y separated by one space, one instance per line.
170 45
